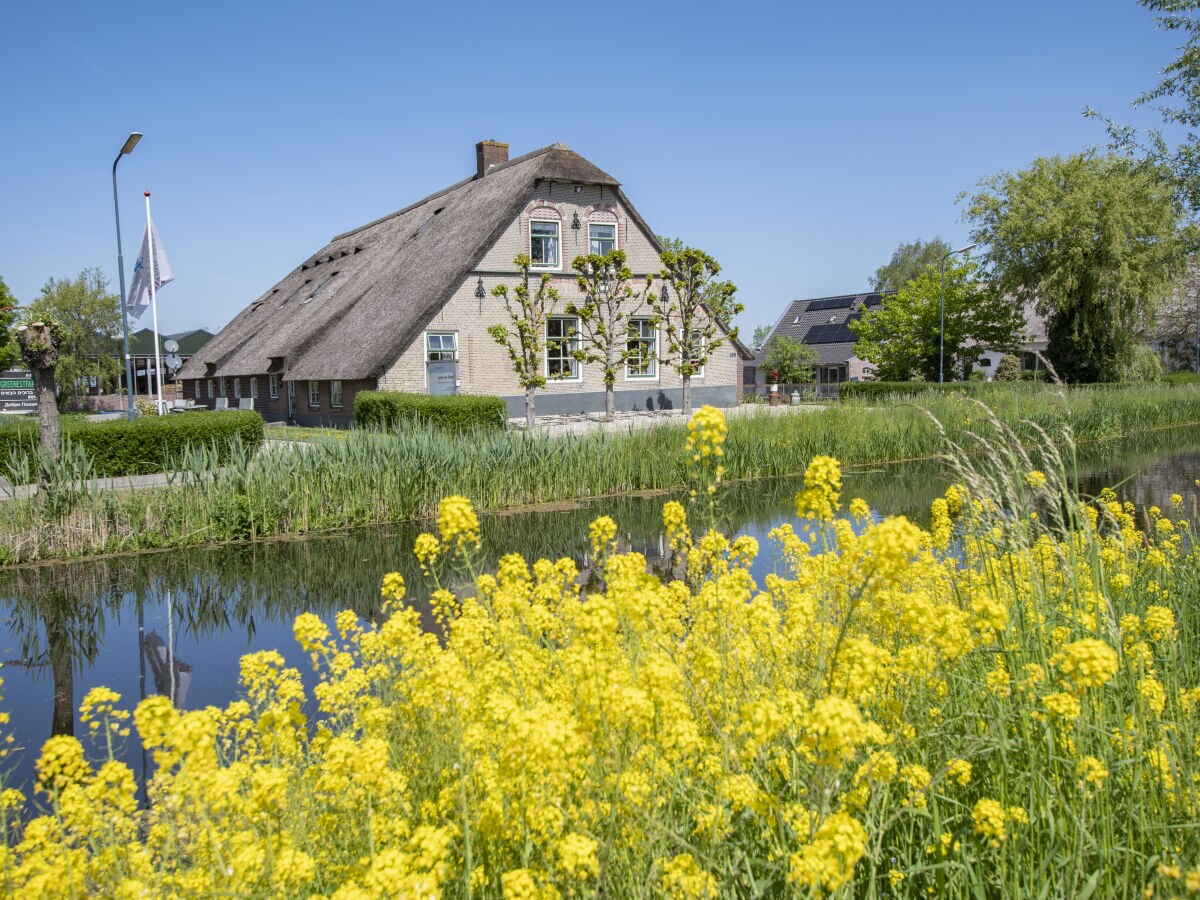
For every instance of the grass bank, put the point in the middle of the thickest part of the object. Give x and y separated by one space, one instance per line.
363 477
1002 705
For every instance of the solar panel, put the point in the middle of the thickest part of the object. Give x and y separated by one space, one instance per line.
831 303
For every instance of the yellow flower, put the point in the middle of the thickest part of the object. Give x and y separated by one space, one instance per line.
457 522
829 859
959 770
822 492
988 816
602 532
675 523
427 549
683 879
1091 772
1087 663
1036 479
393 586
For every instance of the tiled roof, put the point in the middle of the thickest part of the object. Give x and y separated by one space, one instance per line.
823 323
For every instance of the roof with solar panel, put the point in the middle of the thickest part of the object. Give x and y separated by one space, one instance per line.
824 323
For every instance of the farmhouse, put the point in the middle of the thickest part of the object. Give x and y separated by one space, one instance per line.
404 303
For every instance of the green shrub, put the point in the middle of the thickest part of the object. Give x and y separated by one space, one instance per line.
120 447
457 414
1182 378
1008 369
874 390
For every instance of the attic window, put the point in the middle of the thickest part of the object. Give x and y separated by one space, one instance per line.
299 288
320 287
832 319
796 321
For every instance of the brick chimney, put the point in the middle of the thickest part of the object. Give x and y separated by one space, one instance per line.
488 154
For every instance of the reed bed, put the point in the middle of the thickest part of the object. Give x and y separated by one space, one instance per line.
371 477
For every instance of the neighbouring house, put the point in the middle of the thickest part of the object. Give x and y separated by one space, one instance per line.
404 303
141 353
1031 351
824 324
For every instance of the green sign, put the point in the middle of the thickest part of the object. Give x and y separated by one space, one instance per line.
17 393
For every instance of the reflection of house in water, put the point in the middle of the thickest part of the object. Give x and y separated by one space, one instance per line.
172 676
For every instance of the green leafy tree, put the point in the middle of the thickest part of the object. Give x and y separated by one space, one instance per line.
9 352
761 333
718 296
902 337
1093 242
908 262
88 319
609 302
789 360
1177 100
528 311
684 305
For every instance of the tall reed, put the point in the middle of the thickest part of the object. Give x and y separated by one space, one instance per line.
369 477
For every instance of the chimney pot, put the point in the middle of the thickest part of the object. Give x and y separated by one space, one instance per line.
489 154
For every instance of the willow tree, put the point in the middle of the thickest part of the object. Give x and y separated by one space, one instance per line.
40 344
528 307
687 307
609 303
1094 242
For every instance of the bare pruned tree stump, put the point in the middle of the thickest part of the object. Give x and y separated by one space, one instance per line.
40 343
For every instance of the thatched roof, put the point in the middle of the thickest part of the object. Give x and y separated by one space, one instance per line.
357 303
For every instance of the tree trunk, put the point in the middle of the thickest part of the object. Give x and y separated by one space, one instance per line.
40 343
610 404
62 667
687 395
530 416
43 380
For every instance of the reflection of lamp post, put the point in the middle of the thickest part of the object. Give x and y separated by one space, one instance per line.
130 143
942 308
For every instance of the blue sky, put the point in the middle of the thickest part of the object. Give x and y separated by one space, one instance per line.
798 143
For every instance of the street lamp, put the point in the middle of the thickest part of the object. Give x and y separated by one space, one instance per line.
126 149
942 309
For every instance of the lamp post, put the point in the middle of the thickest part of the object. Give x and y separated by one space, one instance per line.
126 149
942 309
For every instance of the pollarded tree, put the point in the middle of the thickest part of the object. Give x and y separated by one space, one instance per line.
609 303
1094 242
528 311
684 306
902 337
40 344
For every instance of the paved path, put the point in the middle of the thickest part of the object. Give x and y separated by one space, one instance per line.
626 421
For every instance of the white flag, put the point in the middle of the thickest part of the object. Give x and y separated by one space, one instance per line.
139 290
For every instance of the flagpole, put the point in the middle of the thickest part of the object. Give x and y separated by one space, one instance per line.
153 263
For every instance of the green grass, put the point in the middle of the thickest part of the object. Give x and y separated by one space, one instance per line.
363 477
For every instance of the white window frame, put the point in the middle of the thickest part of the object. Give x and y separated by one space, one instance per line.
314 394
221 387
335 394
556 266
253 388
573 343
211 392
615 231
237 389
652 375
441 335
273 386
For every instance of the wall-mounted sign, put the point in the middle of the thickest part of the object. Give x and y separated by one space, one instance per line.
443 377
17 393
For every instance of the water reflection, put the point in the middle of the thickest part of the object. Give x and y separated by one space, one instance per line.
177 623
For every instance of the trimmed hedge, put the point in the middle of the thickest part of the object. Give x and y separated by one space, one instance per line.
147 444
458 414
